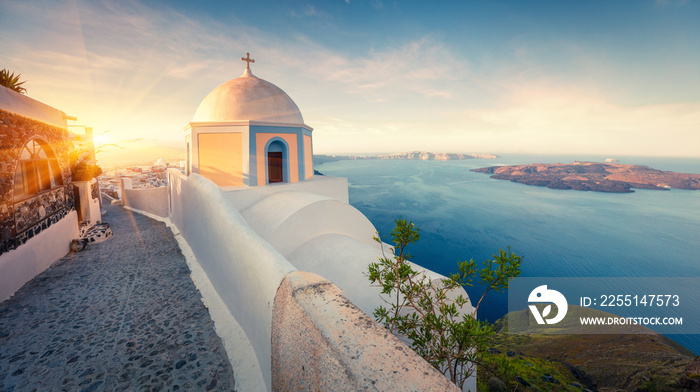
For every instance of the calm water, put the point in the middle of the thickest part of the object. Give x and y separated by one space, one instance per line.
464 215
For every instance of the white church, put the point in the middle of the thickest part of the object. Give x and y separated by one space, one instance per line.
267 233
248 131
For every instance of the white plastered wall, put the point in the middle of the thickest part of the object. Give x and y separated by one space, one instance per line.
311 229
21 265
89 207
287 220
332 187
323 235
244 269
15 102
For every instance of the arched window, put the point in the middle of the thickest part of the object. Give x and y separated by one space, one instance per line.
37 170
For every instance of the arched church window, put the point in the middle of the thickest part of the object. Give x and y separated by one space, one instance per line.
37 170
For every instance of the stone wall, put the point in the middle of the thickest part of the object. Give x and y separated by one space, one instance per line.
23 220
38 213
323 342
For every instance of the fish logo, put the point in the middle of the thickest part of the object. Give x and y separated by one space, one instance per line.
541 294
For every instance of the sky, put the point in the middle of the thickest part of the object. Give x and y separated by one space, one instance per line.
374 76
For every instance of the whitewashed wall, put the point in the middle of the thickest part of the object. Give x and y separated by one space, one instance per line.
21 265
151 200
333 187
244 269
89 207
325 235
15 102
290 334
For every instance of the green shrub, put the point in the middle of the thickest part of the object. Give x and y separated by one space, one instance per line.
424 312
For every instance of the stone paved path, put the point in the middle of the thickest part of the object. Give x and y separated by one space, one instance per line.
122 315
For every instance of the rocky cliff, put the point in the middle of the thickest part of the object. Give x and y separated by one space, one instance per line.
414 155
592 176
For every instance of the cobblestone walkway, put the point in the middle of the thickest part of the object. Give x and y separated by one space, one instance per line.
122 315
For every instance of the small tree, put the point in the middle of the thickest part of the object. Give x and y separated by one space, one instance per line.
11 81
423 311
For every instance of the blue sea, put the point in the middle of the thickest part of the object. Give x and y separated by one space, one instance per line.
466 215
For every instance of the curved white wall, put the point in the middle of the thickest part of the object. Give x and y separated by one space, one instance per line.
287 220
315 232
333 187
342 260
244 269
319 234
268 213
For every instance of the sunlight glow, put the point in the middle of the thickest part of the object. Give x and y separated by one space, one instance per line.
141 71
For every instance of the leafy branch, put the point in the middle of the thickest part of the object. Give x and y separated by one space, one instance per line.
427 313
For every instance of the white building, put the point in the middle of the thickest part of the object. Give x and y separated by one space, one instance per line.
264 214
248 131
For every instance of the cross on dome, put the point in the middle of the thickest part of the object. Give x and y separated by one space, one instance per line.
248 60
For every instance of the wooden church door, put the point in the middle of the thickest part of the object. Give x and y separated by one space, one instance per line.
274 166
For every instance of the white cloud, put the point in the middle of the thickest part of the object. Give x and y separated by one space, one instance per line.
424 67
565 120
141 71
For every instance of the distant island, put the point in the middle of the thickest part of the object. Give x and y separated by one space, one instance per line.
592 176
414 155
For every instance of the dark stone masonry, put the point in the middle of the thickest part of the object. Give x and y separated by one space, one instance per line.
22 220
122 315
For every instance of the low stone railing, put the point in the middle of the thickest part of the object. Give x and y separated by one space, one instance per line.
322 342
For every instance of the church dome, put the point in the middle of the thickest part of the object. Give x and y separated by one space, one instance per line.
248 98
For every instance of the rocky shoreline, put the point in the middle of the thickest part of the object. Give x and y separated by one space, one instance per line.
593 176
413 155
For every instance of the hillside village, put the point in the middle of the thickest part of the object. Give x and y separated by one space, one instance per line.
141 177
